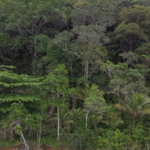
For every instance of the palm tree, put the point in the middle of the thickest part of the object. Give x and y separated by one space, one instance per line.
72 118
95 119
137 105
113 120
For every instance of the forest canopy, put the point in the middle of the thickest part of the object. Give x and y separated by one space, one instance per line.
76 73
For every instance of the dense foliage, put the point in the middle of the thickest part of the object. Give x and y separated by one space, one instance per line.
77 71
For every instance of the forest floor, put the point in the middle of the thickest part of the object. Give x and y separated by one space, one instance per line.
33 146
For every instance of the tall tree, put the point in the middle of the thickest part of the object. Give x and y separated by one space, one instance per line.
94 102
88 47
124 80
26 21
18 93
57 83
130 36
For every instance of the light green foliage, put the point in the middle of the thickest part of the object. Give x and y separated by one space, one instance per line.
58 80
94 100
137 14
112 119
126 32
15 93
57 84
124 80
94 103
55 87
130 58
138 136
112 140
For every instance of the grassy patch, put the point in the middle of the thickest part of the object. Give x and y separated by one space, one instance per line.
50 141
9 143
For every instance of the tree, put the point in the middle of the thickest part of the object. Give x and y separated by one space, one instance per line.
73 120
124 80
88 47
137 105
136 14
112 119
18 92
91 50
96 12
130 36
24 22
57 83
94 102
130 58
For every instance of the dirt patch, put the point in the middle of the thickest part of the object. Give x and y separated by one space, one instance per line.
17 147
34 148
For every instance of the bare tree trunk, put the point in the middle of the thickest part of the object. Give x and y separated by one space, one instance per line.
51 111
147 145
11 131
86 70
39 137
11 128
58 123
24 141
22 137
71 68
86 119
30 132
5 134
73 103
134 121
34 57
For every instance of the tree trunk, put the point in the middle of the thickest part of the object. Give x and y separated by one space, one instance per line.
11 131
5 134
86 70
73 103
134 120
39 137
22 137
58 124
71 68
86 119
24 141
95 126
147 145
33 58
30 131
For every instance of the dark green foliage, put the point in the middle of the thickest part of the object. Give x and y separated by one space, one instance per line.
81 72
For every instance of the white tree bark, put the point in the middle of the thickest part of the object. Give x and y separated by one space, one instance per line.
39 137
86 119
22 137
58 123
86 70
5 134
